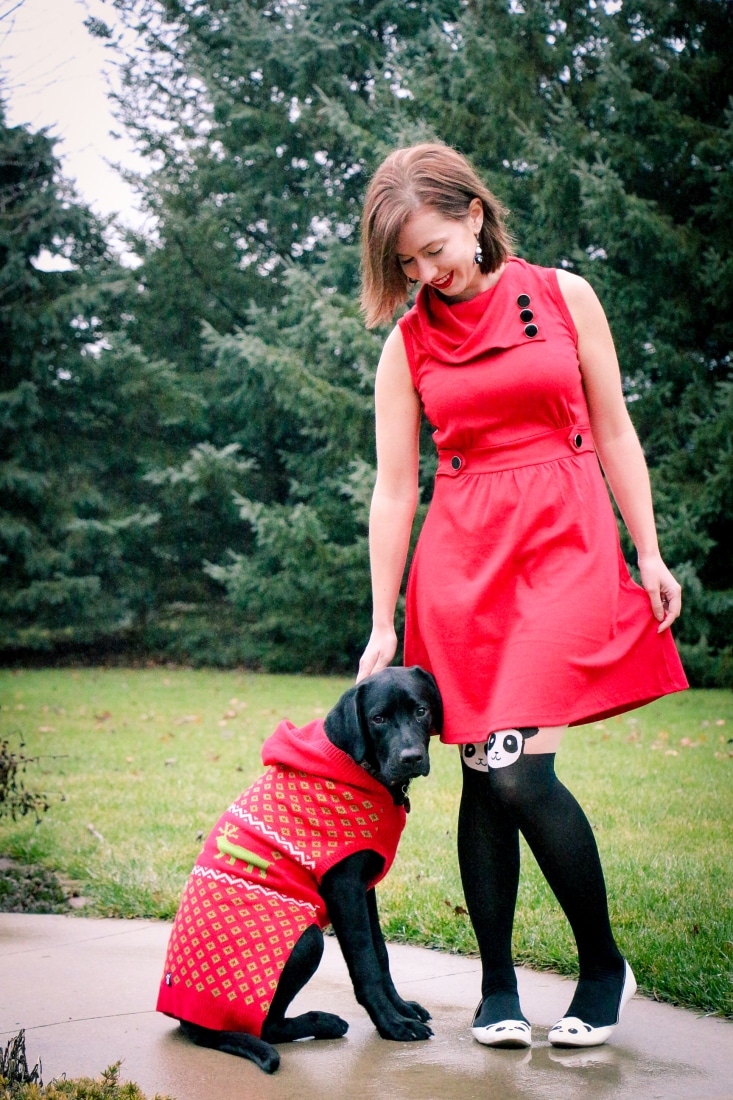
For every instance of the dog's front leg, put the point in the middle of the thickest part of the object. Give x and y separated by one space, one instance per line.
344 891
406 1008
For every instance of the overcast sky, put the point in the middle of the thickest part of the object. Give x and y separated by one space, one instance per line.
52 75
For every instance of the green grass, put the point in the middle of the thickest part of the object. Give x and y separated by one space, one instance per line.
146 760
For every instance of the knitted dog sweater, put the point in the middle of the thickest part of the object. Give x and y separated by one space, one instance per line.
254 888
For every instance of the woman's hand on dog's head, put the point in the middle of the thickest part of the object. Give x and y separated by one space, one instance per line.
379 653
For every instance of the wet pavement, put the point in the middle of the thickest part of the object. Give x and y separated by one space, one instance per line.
84 992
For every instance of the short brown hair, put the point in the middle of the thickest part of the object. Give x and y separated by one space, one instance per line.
429 174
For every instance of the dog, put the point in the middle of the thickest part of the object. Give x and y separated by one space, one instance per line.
303 847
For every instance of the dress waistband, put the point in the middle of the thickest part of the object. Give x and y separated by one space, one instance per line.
547 447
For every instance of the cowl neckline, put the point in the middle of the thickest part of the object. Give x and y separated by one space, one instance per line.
459 332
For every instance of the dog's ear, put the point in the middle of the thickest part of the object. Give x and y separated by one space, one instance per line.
344 725
429 687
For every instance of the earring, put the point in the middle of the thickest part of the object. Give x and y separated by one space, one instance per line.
479 255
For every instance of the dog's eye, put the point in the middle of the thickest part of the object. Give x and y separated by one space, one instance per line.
378 719
421 712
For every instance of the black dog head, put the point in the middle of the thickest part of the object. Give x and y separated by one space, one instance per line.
385 723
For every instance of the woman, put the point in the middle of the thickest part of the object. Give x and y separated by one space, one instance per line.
519 600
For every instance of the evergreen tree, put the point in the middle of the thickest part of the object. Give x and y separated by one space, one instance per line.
606 128
270 112
80 417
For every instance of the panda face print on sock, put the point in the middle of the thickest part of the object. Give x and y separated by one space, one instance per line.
506 746
474 756
503 748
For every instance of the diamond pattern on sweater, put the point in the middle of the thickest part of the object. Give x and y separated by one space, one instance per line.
307 816
233 942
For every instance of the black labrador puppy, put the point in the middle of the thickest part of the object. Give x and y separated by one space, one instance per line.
328 812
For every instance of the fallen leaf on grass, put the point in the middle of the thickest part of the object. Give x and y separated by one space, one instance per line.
104 716
95 834
229 714
46 729
188 718
171 761
457 909
720 722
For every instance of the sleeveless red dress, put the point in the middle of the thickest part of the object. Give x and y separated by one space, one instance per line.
519 600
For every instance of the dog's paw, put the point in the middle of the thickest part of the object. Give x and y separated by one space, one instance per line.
412 1010
325 1025
310 1025
402 1030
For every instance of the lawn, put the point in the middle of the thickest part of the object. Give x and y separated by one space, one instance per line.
140 763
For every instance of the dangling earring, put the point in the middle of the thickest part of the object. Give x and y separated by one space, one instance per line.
479 255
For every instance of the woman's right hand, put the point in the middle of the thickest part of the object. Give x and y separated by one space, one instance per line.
379 652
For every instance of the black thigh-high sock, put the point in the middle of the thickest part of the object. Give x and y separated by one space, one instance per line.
488 856
562 842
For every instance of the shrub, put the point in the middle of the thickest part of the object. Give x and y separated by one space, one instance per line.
18 1083
15 800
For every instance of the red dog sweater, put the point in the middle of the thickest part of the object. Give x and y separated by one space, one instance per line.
254 888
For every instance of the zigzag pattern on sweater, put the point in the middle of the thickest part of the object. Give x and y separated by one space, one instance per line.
236 880
260 826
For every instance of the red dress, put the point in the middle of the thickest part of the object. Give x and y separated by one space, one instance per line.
519 600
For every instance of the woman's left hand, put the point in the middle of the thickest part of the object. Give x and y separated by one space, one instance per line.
663 590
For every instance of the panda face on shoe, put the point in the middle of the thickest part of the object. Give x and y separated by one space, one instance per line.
503 748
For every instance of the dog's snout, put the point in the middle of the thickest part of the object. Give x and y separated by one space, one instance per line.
414 760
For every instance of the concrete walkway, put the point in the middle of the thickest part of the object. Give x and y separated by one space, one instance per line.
84 991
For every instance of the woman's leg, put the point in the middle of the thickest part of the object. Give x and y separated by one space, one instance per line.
562 842
488 857
510 786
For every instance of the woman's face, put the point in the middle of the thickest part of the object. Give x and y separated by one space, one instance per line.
439 251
